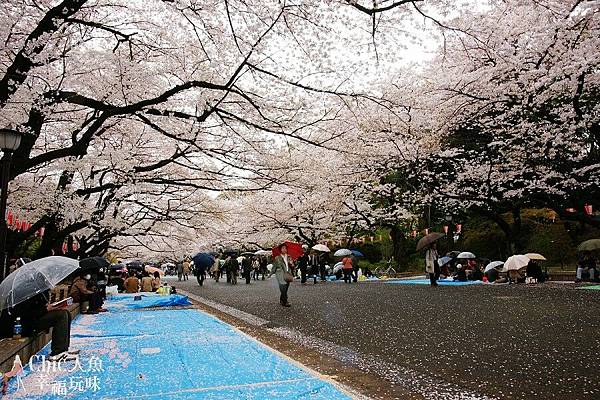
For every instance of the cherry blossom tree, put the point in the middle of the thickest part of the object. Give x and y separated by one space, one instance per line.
129 107
513 114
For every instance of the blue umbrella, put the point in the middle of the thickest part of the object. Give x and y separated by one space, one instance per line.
203 261
357 253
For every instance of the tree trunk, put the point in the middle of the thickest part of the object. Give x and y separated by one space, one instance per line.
398 245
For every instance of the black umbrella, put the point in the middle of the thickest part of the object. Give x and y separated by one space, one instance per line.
135 265
91 263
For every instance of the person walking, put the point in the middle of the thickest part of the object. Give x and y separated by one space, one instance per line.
313 262
247 269
282 268
179 271
216 269
186 270
232 267
431 264
263 267
322 268
200 272
303 265
347 269
255 268
355 268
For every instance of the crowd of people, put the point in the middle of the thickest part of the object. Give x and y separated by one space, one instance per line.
470 269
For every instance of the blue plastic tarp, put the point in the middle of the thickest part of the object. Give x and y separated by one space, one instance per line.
146 300
174 354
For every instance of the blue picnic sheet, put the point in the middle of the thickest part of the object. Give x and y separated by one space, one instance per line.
442 282
127 301
169 354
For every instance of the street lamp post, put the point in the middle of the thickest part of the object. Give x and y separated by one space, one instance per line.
9 142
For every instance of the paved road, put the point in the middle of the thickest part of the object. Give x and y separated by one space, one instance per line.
513 342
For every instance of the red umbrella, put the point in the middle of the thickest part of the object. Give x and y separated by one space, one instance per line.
294 250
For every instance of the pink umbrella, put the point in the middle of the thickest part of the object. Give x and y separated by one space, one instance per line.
152 270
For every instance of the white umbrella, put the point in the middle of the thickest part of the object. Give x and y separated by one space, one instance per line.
342 253
33 278
466 255
337 267
321 247
536 256
492 265
515 263
444 260
262 253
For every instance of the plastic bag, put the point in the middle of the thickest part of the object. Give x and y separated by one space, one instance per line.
112 290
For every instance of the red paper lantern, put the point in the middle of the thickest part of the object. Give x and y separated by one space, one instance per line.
588 209
41 231
9 218
16 223
446 228
64 247
458 228
75 246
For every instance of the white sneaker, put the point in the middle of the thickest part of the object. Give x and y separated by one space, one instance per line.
74 351
64 356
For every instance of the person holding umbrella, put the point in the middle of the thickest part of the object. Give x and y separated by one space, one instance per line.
431 264
347 268
38 315
25 293
431 255
282 268
202 262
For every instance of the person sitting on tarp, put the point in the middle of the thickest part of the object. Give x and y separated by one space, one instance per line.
37 316
156 281
476 274
81 293
586 264
492 275
534 270
461 273
118 281
146 283
132 283
516 276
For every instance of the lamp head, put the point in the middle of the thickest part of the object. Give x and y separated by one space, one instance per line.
10 139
